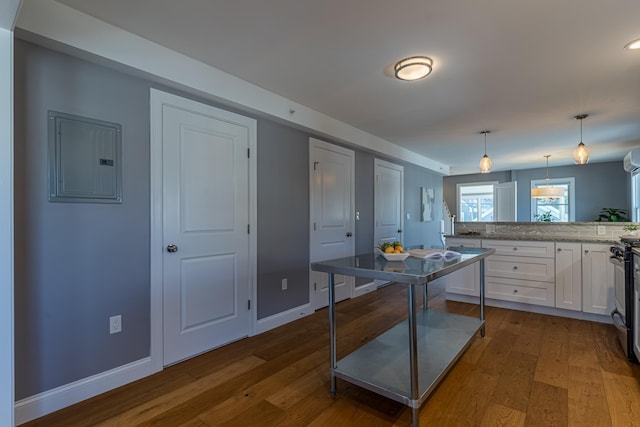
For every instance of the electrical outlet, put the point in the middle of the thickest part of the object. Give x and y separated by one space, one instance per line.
115 324
601 230
284 284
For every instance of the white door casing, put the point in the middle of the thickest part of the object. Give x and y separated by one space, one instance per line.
203 197
332 201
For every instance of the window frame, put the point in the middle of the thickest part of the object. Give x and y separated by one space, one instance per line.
471 184
571 189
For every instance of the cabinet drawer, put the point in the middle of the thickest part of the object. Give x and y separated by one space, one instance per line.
540 269
521 248
523 291
463 243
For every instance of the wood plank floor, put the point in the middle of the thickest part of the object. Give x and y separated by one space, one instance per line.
529 370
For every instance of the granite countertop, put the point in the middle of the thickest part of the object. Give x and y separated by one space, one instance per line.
537 237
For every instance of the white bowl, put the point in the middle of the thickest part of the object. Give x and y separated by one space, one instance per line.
393 257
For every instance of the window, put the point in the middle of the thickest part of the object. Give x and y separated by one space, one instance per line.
475 201
558 209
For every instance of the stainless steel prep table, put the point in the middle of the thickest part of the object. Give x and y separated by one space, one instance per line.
406 362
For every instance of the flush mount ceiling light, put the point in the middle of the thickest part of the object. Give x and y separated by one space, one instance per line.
485 161
548 192
414 68
633 45
581 153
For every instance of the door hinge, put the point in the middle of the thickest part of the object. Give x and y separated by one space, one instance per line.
249 153
315 164
314 226
248 228
248 304
314 286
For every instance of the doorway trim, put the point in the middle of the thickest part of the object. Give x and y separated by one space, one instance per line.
156 245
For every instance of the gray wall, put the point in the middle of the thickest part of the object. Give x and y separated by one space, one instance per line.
77 264
598 185
283 218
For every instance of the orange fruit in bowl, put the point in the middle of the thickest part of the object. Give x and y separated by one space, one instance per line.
389 250
397 251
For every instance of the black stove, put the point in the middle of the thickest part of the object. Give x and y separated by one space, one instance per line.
623 313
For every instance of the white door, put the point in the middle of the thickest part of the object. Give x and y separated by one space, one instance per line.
206 262
388 202
332 181
504 201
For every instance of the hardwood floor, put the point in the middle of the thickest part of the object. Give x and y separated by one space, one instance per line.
529 370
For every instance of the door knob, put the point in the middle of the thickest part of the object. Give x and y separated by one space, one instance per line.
399 231
172 248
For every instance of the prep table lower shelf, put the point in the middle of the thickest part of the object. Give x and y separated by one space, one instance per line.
382 365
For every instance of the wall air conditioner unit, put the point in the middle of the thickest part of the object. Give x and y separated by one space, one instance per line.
631 161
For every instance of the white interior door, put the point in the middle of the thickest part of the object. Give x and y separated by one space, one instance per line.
388 205
332 181
388 202
205 217
504 201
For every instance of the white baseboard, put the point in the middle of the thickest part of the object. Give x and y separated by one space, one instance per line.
50 401
279 319
600 318
364 289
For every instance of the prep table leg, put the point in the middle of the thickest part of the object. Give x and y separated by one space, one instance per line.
424 297
413 353
332 332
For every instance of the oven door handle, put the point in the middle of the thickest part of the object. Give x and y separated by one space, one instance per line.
615 260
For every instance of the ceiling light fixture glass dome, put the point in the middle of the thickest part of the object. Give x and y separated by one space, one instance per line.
633 45
413 68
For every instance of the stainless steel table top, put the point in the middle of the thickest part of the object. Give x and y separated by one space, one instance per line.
415 271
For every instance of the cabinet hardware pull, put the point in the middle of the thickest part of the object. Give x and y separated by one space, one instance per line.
515 291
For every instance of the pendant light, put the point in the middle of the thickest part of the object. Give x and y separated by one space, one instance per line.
581 153
547 192
485 162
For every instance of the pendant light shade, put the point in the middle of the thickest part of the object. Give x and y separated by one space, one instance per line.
581 153
485 161
547 192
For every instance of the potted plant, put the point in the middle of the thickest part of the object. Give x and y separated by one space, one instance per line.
545 217
632 229
612 215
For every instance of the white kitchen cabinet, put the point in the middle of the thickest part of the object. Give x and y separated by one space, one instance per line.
521 271
597 279
465 281
569 276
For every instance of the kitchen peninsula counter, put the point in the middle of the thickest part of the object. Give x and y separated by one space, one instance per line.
537 237
579 232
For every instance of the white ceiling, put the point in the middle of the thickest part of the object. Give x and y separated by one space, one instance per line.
521 69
